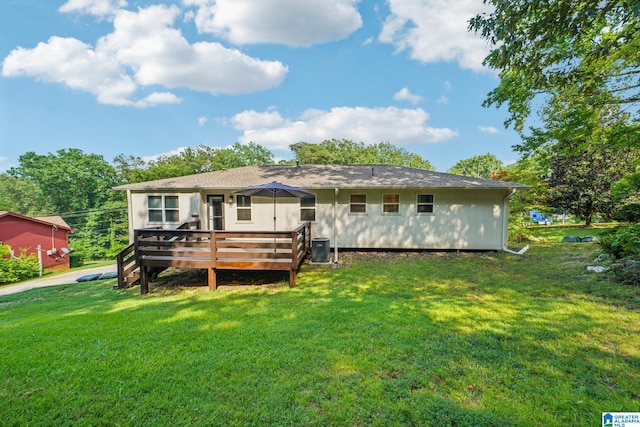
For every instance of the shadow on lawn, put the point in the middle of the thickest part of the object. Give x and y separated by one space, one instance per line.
493 350
460 339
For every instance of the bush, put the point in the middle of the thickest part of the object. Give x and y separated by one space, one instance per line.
629 213
518 228
627 272
17 269
622 242
76 259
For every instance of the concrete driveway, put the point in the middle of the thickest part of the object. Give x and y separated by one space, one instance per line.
58 279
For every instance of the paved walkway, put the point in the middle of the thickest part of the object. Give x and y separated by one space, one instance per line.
58 279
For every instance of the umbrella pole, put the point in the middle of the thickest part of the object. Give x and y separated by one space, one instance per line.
274 224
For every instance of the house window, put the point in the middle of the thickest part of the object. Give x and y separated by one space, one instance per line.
390 203
425 203
308 209
358 204
243 208
163 209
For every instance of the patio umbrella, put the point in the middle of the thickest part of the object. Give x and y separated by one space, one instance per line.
274 190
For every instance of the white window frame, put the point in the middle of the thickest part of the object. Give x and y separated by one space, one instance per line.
245 207
163 209
352 204
432 204
389 204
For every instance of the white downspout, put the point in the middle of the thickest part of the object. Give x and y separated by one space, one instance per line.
505 226
335 222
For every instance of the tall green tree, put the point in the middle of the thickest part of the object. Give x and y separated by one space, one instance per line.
102 233
582 51
192 161
347 152
74 181
532 170
483 166
581 183
24 197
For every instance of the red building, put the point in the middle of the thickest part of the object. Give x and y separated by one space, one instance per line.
50 234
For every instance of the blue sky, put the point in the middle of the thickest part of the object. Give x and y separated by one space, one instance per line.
145 78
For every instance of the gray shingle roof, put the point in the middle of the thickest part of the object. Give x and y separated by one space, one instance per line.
316 177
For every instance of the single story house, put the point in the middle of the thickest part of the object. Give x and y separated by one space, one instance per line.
47 237
354 206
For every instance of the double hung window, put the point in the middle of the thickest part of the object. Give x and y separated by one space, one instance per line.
425 203
358 203
308 209
243 208
390 203
163 209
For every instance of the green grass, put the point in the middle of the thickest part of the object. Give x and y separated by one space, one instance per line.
556 232
464 339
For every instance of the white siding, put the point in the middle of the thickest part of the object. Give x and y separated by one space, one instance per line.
462 219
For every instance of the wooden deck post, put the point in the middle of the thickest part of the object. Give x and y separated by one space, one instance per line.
292 277
213 284
144 280
120 266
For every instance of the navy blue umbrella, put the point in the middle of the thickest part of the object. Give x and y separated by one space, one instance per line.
274 190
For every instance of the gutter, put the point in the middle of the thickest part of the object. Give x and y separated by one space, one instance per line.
505 227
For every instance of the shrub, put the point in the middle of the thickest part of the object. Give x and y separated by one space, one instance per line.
627 272
16 269
622 242
629 213
76 259
518 228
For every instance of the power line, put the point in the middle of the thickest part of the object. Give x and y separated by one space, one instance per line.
86 212
90 211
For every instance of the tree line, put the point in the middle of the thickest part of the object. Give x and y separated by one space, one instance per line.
572 63
79 186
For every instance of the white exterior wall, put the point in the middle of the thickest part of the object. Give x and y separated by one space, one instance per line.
189 203
462 219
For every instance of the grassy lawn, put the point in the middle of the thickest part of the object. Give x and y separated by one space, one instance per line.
454 339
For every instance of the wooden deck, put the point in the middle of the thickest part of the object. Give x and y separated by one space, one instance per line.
213 251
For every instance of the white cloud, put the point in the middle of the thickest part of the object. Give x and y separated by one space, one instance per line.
288 22
370 125
435 31
404 95
489 129
144 49
93 7
447 84
202 120
77 65
442 100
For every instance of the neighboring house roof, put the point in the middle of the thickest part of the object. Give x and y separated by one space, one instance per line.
54 219
316 177
46 220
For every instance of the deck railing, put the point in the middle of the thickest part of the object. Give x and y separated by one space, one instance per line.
214 250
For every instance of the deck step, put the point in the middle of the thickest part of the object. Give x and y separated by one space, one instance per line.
130 280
